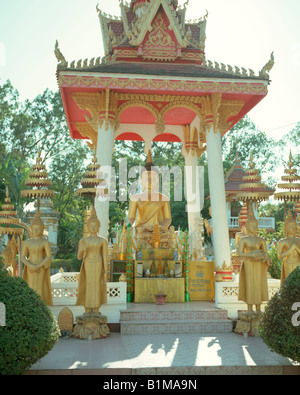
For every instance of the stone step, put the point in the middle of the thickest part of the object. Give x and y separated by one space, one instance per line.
176 327
166 321
177 316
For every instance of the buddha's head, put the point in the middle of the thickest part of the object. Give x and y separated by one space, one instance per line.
291 226
93 223
251 225
37 226
150 176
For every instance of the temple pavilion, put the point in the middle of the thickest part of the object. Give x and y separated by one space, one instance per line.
154 83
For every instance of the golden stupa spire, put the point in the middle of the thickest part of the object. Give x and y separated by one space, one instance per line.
93 184
38 181
252 189
8 217
290 187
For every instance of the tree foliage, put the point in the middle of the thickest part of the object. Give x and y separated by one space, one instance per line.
277 328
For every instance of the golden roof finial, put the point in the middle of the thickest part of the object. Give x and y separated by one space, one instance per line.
149 157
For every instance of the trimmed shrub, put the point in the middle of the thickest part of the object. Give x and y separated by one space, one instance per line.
276 327
31 329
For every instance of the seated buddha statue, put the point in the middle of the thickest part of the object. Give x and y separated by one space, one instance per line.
150 208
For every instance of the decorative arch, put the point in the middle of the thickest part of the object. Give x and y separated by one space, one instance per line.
138 103
130 136
182 103
167 137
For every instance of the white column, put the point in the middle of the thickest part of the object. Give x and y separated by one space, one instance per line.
217 198
192 189
105 148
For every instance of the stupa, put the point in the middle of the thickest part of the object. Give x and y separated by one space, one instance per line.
252 190
290 186
39 182
93 184
8 217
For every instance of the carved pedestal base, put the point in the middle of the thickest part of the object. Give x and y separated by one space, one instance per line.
91 326
247 323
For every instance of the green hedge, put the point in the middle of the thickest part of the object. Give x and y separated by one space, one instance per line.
276 327
31 329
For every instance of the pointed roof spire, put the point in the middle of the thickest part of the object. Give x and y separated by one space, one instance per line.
149 157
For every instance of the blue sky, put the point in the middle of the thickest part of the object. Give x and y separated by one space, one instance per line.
239 32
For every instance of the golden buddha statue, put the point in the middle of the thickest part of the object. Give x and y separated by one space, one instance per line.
36 256
288 248
92 292
151 208
237 238
253 285
9 254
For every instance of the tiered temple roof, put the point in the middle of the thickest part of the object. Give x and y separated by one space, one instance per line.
149 51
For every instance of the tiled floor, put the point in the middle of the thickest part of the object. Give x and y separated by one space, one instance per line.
192 354
164 354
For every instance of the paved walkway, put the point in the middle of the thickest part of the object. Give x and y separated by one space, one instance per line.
164 354
184 354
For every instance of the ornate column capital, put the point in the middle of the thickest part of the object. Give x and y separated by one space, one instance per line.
193 143
102 107
86 130
217 112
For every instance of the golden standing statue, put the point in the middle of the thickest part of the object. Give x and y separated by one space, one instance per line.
92 293
151 207
36 256
288 248
9 254
253 284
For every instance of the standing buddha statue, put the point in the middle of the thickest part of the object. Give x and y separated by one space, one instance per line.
288 248
36 256
92 293
253 285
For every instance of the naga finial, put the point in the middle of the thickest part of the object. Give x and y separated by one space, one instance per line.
264 72
59 56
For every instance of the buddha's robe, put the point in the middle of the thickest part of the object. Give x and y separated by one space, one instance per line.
38 253
253 283
92 287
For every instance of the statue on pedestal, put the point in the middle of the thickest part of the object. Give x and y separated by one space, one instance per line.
36 256
253 285
92 288
152 208
288 248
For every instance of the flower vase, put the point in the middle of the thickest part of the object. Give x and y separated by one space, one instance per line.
160 299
